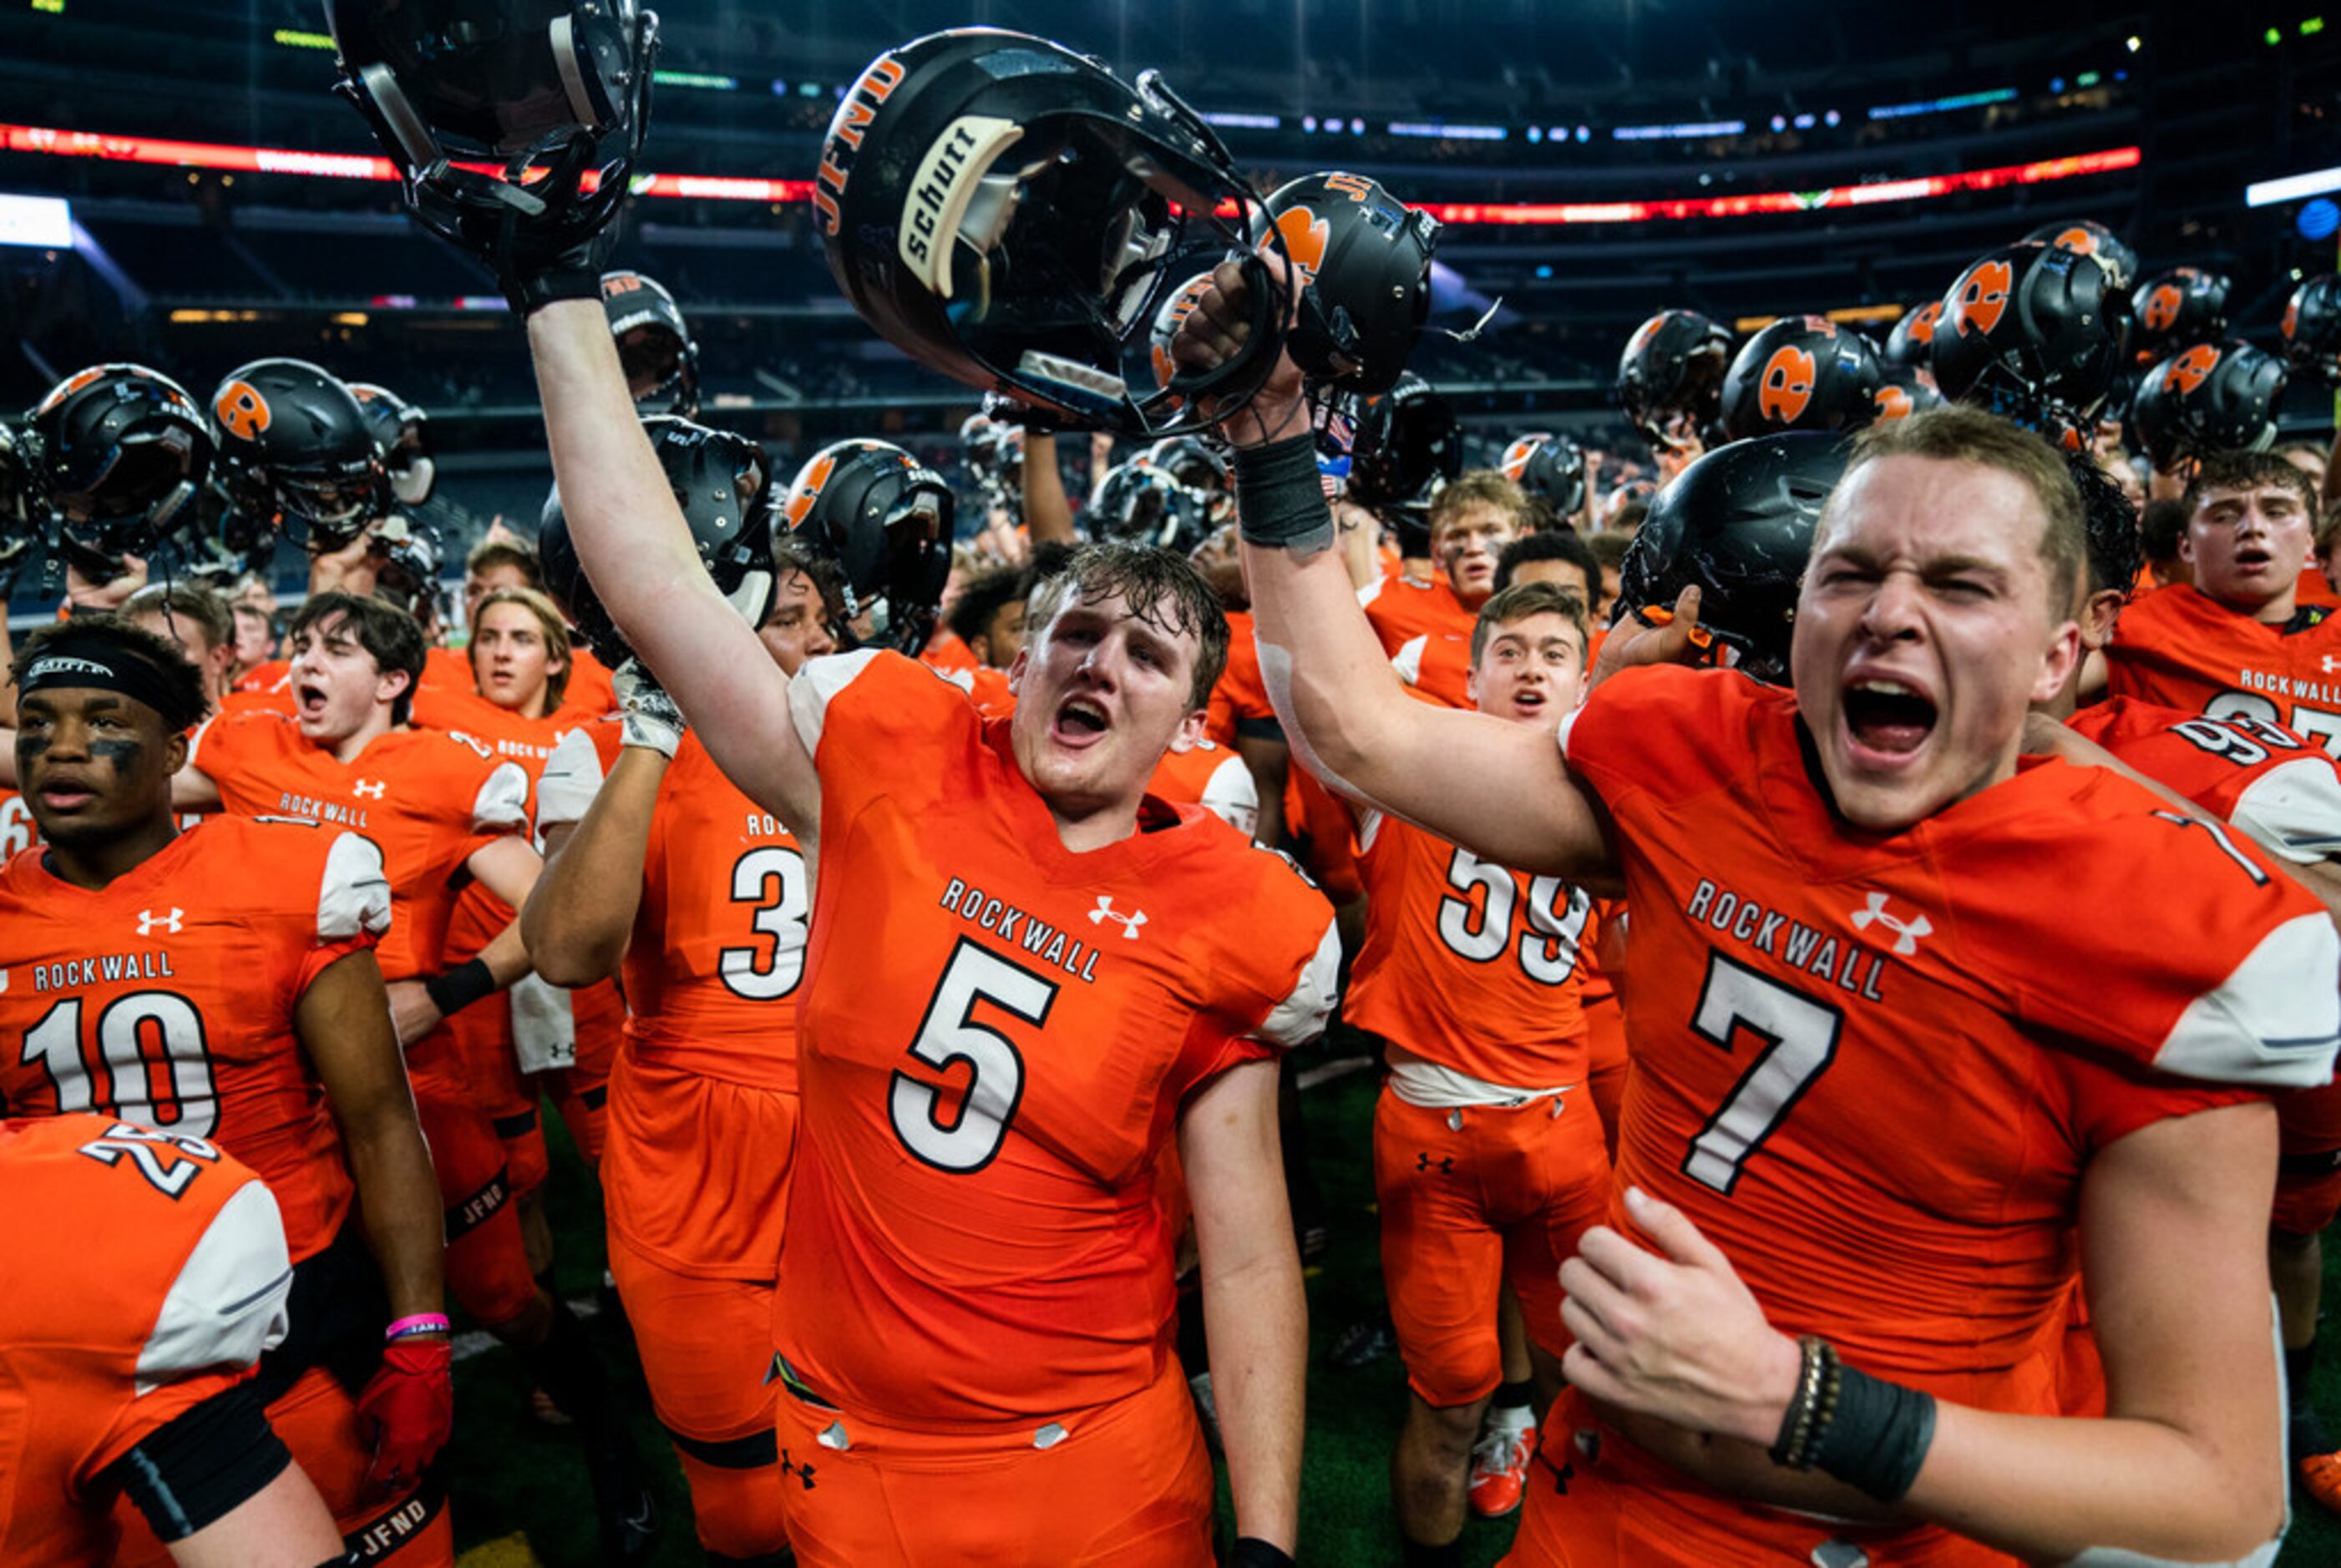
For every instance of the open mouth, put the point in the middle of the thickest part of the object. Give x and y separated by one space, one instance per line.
2253 559
1888 717
1079 721
1529 701
310 699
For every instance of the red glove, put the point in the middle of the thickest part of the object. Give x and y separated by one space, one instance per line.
411 1404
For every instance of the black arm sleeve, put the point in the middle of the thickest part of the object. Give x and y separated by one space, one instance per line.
204 1466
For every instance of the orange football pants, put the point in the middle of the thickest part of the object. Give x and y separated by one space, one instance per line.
319 1422
1471 1197
1127 1485
2308 1170
1596 1501
487 1263
1605 1064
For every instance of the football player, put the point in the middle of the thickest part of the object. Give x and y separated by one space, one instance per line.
1867 1102
1429 636
446 810
1488 1163
662 872
243 1006
127 1368
976 1283
1240 716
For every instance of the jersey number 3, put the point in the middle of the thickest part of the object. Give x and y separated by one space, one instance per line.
949 1035
1800 1037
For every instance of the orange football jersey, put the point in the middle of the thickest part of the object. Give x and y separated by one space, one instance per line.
994 1039
1213 778
1438 664
985 687
1466 964
426 799
1861 1063
167 997
947 653
591 694
270 675
2185 650
18 831
145 1274
1240 704
2275 785
1400 610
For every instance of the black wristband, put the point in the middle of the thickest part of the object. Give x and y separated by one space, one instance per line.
537 289
1878 1436
1279 500
1251 1552
460 986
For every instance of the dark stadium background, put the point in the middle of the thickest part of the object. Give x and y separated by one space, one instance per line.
1918 137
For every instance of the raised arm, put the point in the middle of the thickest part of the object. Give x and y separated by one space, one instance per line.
637 552
581 916
1499 789
1048 511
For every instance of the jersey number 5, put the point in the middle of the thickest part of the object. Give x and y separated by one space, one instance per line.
174 1093
1800 1037
949 1035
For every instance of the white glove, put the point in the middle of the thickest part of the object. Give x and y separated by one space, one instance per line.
651 719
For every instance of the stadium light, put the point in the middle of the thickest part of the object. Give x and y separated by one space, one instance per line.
44 222
2292 187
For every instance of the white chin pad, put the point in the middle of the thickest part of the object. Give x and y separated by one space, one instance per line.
753 598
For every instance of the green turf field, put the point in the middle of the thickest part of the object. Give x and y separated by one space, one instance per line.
511 1476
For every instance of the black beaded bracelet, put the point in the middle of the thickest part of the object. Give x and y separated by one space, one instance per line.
1279 500
1793 1447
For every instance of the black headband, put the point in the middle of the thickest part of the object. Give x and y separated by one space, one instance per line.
102 664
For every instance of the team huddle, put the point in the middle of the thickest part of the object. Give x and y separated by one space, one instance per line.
1846 924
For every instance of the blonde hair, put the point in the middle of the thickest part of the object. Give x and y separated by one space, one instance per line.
549 621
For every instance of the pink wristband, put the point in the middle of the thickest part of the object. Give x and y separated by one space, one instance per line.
421 1322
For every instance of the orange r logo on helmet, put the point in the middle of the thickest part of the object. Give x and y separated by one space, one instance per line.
808 488
2079 241
2191 369
1787 386
1893 403
2161 313
1305 238
241 411
1516 456
1922 322
1982 297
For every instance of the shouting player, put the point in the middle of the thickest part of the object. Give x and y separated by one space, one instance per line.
1018 983
1488 1163
1869 1102
244 1007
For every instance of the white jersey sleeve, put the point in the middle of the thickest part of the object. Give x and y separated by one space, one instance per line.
1306 1009
1233 797
228 1303
816 685
572 778
502 804
354 897
2294 811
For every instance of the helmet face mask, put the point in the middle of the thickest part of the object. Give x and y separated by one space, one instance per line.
1012 215
654 345
403 431
526 85
1142 503
1407 447
886 523
2312 329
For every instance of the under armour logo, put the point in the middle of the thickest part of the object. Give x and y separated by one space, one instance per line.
1106 911
1446 1164
801 1472
148 920
1906 932
365 789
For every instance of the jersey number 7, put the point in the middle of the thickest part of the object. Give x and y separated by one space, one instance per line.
1800 1037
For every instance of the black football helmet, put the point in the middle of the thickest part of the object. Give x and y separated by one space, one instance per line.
721 482
1800 373
1670 377
1408 446
2085 237
294 446
1548 466
2312 328
1008 213
1738 522
2175 309
886 521
2030 334
18 531
1903 390
1364 257
408 553
2117 550
115 456
403 433
654 344
1197 463
2208 399
561 86
1138 504
1168 317
1911 343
